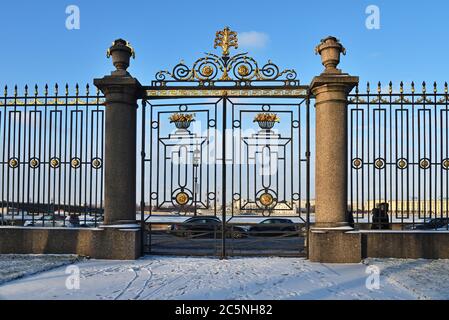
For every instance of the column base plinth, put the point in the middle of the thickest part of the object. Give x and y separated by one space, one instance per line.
335 245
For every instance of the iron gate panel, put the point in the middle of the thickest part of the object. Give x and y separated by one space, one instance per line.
182 172
218 186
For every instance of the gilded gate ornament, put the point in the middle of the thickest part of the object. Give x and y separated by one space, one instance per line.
226 39
402 164
379 163
54 163
182 198
446 164
357 163
96 163
34 163
13 163
424 164
266 199
75 163
240 68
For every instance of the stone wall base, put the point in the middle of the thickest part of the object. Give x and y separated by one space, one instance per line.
405 245
334 246
331 246
108 243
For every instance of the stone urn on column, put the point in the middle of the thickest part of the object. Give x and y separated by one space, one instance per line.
330 239
121 53
330 50
121 91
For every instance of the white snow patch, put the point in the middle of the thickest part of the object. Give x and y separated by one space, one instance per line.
15 266
424 279
158 277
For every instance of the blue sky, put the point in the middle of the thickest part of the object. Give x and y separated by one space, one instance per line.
37 48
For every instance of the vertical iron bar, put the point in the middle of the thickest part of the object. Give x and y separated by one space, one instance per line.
142 182
223 184
307 172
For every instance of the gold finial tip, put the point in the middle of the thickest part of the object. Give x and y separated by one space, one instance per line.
226 39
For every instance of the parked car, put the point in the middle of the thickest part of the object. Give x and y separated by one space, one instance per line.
443 228
273 227
88 221
433 224
44 221
205 227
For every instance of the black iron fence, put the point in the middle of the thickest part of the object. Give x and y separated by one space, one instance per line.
399 157
51 157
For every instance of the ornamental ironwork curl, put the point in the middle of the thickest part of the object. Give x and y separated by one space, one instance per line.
241 69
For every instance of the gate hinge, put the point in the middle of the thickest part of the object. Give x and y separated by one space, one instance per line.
308 154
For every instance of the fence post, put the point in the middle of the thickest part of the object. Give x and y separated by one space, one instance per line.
329 239
121 91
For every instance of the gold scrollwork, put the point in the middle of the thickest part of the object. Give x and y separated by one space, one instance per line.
240 68
226 92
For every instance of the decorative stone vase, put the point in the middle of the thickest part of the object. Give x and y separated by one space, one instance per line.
121 53
266 125
330 49
182 125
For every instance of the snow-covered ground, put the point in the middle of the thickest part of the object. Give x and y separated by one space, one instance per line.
424 279
15 266
208 278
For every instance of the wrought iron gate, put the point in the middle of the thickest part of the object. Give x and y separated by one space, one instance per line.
225 158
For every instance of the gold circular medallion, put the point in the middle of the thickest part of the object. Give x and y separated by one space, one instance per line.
379 164
243 70
266 199
446 164
75 163
207 71
54 163
96 163
402 164
34 163
424 164
14 163
357 163
182 198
